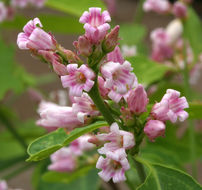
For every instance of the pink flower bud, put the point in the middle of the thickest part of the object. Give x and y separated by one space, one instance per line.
137 100
115 56
59 68
180 9
111 40
154 129
84 46
71 56
3 12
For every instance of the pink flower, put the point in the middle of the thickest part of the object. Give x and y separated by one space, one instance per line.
83 106
111 6
161 48
53 116
63 160
81 145
158 6
115 56
3 12
103 91
119 77
35 38
95 24
3 185
179 9
78 79
129 51
113 166
118 139
137 100
171 107
154 129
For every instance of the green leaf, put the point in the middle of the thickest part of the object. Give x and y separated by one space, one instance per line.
65 177
132 34
44 146
74 7
53 23
193 31
147 71
161 177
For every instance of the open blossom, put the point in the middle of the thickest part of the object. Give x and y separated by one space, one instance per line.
154 129
81 144
35 38
179 9
171 107
53 116
3 12
103 91
83 106
137 100
95 24
115 56
158 6
63 160
119 77
116 139
78 79
113 166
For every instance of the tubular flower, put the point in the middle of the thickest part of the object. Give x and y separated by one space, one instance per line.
53 116
103 91
158 6
35 38
119 77
81 144
171 107
154 129
3 12
115 56
83 106
78 79
180 9
95 24
113 166
118 139
63 160
137 100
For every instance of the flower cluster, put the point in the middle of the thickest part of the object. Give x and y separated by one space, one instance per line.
102 87
7 10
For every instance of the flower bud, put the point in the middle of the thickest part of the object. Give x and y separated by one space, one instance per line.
71 56
84 46
111 40
137 100
180 10
154 129
59 68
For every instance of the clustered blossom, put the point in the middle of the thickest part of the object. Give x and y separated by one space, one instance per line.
105 81
178 9
171 107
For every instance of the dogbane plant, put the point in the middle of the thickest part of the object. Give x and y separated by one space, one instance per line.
103 87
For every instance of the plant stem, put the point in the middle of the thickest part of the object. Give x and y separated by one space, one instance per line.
6 122
97 99
190 123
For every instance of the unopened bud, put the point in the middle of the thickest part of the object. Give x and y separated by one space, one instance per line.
84 46
71 56
59 68
111 40
180 10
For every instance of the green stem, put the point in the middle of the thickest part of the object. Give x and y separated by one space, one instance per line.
97 99
6 122
190 122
